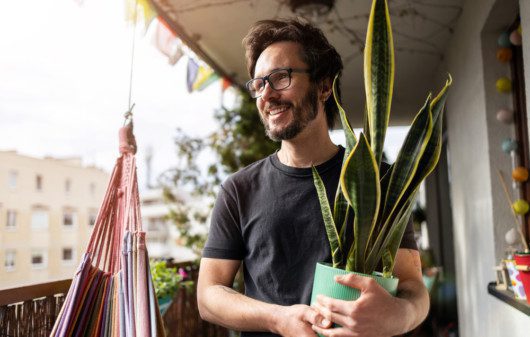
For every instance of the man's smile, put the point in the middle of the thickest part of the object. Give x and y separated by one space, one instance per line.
278 109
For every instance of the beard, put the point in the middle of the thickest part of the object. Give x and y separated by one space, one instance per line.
302 115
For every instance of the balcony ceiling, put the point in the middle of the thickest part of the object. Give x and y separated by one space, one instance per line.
422 29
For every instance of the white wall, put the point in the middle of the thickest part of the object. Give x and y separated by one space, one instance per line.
480 212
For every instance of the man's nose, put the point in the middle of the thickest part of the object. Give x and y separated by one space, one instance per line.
268 92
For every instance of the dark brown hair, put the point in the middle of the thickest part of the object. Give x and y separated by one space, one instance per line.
323 60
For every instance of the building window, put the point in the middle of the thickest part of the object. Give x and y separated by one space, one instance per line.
38 259
69 218
39 219
12 179
11 222
68 256
67 185
92 218
38 182
10 260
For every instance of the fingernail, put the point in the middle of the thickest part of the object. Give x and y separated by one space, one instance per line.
338 277
324 323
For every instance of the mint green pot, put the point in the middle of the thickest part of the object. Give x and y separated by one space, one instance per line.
324 283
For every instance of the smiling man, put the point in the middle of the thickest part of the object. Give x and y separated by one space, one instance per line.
267 215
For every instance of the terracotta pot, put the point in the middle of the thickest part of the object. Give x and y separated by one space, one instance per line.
522 260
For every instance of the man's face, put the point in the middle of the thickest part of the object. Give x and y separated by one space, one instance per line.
287 112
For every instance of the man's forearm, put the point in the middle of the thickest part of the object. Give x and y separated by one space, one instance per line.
417 297
225 306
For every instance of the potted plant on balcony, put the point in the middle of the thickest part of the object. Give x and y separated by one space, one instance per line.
381 204
167 281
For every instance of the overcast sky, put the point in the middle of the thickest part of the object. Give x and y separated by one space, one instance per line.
64 71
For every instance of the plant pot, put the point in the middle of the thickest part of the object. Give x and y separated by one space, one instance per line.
164 303
324 283
522 260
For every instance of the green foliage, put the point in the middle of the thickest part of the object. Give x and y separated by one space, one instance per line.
167 281
381 205
239 140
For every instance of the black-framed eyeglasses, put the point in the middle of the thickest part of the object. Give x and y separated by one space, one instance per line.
278 79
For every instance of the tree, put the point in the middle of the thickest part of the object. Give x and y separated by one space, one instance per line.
239 141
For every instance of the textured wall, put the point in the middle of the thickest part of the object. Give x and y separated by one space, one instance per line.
480 214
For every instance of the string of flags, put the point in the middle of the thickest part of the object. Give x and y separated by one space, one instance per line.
199 74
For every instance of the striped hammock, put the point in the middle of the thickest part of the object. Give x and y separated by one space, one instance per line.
112 292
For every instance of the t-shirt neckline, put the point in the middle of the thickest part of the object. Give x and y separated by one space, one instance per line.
306 171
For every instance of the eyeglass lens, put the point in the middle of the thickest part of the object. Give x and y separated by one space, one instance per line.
278 80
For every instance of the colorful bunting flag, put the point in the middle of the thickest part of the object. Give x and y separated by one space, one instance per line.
167 42
205 77
225 84
192 72
136 10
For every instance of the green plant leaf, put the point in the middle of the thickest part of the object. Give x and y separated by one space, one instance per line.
351 140
394 237
360 184
331 229
431 155
408 158
378 74
402 174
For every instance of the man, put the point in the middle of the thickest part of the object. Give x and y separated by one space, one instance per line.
268 216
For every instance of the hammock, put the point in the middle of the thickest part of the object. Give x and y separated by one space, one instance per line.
112 292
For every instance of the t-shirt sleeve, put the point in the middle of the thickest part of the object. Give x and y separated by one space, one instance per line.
408 240
225 240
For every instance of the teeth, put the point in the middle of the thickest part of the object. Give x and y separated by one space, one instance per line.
277 110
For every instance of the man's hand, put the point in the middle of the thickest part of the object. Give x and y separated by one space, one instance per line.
297 320
375 313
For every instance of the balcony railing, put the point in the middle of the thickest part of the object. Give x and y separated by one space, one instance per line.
31 311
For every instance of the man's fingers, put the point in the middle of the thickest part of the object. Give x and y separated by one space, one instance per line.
356 281
314 317
331 316
333 332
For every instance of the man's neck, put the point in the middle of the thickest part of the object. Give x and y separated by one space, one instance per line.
307 151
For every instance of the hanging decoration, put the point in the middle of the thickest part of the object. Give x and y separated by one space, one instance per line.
503 85
504 40
520 174
191 74
508 145
505 115
198 76
139 11
515 38
225 84
205 77
521 207
166 41
504 54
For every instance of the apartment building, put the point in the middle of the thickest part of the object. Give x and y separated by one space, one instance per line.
163 239
47 210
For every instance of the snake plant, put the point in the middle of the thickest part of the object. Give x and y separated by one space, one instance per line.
381 205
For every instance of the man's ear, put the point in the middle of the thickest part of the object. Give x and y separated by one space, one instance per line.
326 89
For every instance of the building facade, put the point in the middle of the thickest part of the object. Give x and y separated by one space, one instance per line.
47 210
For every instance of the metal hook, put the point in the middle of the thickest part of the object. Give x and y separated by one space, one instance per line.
128 115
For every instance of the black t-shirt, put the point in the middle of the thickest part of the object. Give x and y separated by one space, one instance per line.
268 216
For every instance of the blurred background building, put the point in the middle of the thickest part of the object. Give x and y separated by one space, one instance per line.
47 209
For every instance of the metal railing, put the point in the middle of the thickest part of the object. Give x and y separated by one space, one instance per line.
31 311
